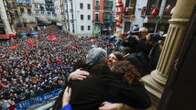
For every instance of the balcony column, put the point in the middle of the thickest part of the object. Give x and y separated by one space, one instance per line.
156 81
4 18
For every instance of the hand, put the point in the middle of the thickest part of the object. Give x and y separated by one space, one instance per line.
66 96
78 75
111 106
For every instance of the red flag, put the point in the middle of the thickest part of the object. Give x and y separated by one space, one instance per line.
52 37
49 61
30 42
13 35
58 60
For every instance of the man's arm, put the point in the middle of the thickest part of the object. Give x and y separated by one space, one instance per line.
115 106
78 75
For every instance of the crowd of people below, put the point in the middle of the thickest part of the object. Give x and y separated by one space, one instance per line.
29 71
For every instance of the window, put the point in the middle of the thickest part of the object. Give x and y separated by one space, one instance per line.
41 8
81 17
22 10
29 11
42 12
16 13
71 20
36 6
97 5
89 28
48 13
89 6
82 28
81 5
97 17
89 17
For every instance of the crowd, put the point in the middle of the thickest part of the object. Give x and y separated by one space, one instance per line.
29 71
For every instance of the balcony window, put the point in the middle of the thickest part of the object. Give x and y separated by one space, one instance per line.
97 17
88 6
29 11
89 17
81 17
22 10
97 5
89 28
108 5
81 5
82 28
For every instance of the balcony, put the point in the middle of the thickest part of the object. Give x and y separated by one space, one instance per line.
11 5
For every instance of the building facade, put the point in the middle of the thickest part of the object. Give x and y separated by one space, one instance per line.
129 14
57 8
9 13
79 16
103 16
140 10
155 21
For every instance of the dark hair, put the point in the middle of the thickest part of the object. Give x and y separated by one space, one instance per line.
127 70
118 55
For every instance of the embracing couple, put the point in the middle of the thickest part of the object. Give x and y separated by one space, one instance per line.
103 84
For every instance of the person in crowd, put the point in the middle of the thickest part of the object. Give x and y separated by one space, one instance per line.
155 41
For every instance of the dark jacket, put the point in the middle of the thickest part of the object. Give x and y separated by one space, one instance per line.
103 85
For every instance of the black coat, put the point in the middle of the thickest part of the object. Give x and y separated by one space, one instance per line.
103 85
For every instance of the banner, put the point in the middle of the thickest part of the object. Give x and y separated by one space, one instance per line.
37 100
